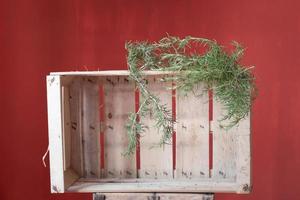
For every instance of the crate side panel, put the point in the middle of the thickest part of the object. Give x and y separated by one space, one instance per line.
156 162
224 146
192 129
90 127
55 133
75 96
66 127
119 100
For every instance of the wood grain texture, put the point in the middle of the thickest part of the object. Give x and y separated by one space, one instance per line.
224 146
188 186
119 101
243 156
108 73
75 100
168 196
156 162
192 131
121 196
232 151
152 196
90 127
66 127
54 102
74 139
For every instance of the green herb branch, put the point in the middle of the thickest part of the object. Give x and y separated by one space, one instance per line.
193 61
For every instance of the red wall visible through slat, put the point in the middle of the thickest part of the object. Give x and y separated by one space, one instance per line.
37 37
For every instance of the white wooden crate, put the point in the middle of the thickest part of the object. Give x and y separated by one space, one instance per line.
87 112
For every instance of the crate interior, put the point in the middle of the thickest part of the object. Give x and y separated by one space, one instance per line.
95 111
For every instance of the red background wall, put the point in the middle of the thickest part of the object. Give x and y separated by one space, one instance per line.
37 37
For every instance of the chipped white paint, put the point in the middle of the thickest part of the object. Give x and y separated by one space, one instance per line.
192 142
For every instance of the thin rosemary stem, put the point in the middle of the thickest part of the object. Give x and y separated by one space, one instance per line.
233 83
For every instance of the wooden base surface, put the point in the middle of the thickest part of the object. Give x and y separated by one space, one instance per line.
151 196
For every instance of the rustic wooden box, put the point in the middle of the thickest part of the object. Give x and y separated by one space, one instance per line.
87 112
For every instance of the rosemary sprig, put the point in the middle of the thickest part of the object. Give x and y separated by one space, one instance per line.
194 60
162 115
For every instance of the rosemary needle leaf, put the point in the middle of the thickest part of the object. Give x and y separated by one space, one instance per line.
193 60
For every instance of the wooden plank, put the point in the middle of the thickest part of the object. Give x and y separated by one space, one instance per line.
75 100
154 196
108 73
192 132
55 133
188 186
244 164
243 156
119 100
156 162
90 127
66 127
145 180
121 196
224 146
168 196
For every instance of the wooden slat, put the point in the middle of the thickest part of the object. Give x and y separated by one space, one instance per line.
156 162
108 73
192 134
167 196
121 196
75 99
224 146
154 196
90 128
66 127
188 186
243 156
144 180
119 101
244 164
55 133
